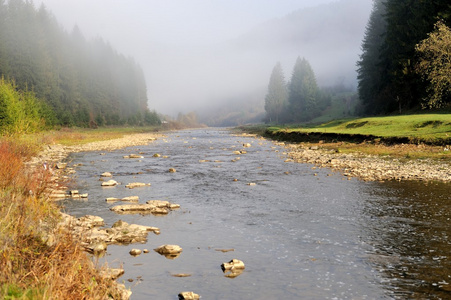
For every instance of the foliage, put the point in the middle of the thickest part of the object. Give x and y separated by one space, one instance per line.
435 64
276 99
81 81
388 80
20 111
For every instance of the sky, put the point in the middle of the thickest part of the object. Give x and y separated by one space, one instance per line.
171 38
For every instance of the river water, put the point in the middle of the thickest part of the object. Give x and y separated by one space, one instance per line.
302 232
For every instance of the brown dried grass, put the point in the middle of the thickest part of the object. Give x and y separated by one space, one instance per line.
32 265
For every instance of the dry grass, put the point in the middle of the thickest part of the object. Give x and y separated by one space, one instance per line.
32 265
408 151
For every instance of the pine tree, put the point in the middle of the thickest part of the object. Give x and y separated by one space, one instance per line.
303 91
277 96
370 69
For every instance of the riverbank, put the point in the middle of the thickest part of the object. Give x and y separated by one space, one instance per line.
369 161
39 258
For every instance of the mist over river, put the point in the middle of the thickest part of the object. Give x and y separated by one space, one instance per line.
302 232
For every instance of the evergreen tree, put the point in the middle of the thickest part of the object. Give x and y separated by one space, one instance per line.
389 81
303 91
77 78
277 97
370 69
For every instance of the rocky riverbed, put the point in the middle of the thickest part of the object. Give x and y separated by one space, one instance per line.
87 229
371 167
365 167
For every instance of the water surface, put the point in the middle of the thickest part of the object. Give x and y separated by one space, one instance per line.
303 232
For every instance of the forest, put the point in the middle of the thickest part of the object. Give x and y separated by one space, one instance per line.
59 78
405 66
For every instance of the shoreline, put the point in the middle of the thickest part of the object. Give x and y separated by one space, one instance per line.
57 152
366 167
82 229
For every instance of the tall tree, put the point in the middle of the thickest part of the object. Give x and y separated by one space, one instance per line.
303 91
434 65
370 69
80 80
277 97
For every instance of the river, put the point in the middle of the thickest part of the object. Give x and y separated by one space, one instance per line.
302 232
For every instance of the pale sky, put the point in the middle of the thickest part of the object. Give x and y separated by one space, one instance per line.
169 38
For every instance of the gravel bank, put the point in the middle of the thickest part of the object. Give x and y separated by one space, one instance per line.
57 152
369 167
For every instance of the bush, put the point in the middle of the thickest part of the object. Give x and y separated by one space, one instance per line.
20 111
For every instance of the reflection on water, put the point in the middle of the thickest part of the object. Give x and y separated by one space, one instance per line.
408 227
300 236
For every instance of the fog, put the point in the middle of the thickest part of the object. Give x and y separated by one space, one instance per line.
197 54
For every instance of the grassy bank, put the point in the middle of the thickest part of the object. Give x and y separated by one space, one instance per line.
412 136
79 136
38 261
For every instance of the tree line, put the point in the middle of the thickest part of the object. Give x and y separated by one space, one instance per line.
298 100
405 65
406 53
76 81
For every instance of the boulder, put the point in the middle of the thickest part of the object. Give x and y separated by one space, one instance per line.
232 265
246 145
57 194
188 296
133 156
130 199
136 184
135 252
168 249
172 170
163 204
89 221
97 248
112 199
112 274
86 230
61 166
110 183
106 174
139 208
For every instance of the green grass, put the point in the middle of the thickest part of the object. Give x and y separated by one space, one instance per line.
422 128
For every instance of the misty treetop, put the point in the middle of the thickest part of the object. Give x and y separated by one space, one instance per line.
276 99
300 99
389 78
82 81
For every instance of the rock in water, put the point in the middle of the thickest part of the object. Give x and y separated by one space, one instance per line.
233 264
188 296
135 252
169 249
